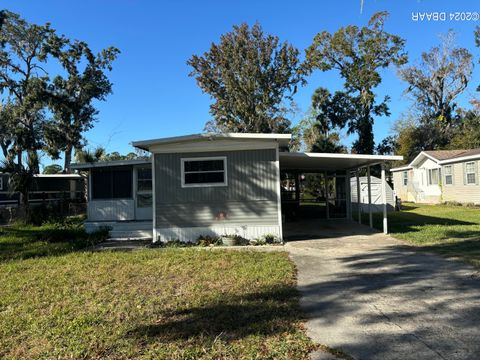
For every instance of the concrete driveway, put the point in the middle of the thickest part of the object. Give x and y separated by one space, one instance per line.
373 297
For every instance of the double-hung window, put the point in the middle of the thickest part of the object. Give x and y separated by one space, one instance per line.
405 178
448 174
433 177
204 172
470 173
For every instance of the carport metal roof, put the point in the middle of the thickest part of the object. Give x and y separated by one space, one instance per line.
331 161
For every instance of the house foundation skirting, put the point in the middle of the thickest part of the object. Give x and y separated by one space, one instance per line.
191 234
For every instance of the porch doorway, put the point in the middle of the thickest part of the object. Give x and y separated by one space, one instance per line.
143 193
314 195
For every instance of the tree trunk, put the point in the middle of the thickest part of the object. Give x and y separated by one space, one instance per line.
68 159
33 161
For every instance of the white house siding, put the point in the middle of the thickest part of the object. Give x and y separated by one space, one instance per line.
459 191
400 190
432 193
111 210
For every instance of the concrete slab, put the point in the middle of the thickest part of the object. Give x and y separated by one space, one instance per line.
374 297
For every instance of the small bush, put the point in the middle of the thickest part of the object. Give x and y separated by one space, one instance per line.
207 240
266 239
175 243
452 203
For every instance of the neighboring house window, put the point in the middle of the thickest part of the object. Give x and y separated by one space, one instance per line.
144 187
448 174
198 172
433 177
470 173
111 183
405 178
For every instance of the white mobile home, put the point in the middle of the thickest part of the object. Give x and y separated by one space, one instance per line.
439 176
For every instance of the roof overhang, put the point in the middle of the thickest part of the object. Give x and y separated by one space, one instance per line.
327 161
419 158
152 145
401 168
58 176
460 159
101 164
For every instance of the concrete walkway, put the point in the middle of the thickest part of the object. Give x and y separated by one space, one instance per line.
373 297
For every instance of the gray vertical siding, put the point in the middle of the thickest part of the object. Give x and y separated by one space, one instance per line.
250 197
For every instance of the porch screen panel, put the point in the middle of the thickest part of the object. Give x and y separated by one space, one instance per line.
122 184
111 183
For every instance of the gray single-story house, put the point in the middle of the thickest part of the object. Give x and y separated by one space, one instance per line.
212 184
438 176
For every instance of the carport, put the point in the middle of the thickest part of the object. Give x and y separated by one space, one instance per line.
336 169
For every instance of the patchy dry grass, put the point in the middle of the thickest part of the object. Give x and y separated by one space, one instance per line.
453 231
162 303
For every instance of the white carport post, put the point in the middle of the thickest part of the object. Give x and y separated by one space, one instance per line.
349 194
384 200
369 184
359 209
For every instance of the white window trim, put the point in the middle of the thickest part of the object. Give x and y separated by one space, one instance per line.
182 169
405 183
445 174
473 172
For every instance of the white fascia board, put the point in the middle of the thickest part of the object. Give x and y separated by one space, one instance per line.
210 146
58 176
460 159
100 164
401 168
148 144
422 154
349 156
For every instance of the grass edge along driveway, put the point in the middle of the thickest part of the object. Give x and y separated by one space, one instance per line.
168 303
451 231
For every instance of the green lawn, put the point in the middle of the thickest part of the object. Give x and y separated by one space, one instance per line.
453 231
57 301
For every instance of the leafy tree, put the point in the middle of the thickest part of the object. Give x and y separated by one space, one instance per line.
316 132
23 81
387 146
90 156
436 82
250 76
72 96
23 78
468 134
99 154
358 54
53 169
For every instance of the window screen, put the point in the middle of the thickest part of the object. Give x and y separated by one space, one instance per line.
111 183
144 179
433 178
448 175
471 175
204 172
